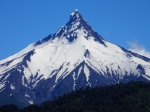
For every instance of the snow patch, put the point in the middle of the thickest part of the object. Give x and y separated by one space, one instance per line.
74 83
2 86
79 71
31 102
26 95
87 73
12 87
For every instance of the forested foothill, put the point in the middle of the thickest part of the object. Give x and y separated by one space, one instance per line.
129 97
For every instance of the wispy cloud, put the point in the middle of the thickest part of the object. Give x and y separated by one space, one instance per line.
136 47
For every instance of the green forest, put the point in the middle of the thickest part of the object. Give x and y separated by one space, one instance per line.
129 97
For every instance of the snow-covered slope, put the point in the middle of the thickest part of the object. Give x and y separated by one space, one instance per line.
73 57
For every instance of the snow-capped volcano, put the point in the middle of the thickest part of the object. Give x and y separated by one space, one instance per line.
73 57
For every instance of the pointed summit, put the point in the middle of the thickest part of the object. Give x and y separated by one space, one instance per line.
74 12
75 16
73 29
75 26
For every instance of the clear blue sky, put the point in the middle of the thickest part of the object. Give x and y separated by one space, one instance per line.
23 22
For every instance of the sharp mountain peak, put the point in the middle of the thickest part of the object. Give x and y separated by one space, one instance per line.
73 30
75 16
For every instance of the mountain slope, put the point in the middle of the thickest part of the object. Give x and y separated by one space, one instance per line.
73 57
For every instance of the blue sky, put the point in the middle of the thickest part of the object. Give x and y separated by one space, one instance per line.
122 22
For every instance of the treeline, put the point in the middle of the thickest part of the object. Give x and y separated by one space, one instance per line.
130 97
